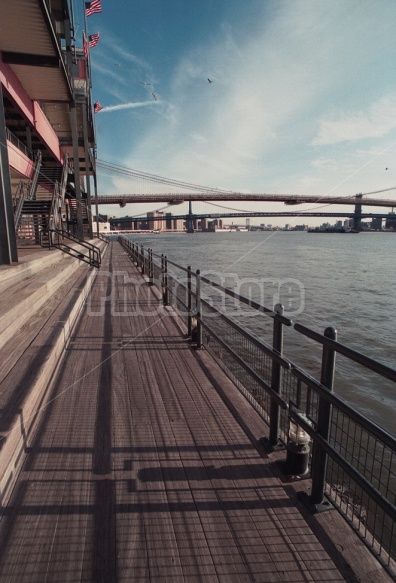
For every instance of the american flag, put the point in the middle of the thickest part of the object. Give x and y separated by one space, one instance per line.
92 7
93 40
97 107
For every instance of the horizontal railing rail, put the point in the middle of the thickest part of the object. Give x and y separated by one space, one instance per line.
102 237
17 142
362 359
350 460
333 399
57 238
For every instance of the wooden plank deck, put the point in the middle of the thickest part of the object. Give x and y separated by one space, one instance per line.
146 466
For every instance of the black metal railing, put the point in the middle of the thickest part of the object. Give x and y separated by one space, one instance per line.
17 142
352 461
59 239
102 237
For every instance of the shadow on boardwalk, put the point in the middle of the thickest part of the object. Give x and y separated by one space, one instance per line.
146 466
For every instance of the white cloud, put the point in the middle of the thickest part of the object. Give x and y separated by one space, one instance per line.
258 87
377 121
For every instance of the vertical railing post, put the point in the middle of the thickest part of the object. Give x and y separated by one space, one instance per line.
162 277
276 376
189 303
319 456
198 308
165 292
151 268
142 258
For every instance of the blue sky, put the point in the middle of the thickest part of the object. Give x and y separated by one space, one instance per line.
303 98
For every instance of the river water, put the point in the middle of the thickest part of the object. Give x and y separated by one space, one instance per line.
347 281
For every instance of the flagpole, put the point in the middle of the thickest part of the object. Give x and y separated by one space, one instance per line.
88 71
85 21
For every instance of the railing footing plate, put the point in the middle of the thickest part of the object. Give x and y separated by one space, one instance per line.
315 508
269 447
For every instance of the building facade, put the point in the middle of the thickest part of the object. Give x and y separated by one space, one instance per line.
46 124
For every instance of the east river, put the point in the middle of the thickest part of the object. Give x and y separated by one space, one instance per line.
347 281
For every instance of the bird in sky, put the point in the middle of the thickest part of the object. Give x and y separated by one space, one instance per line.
210 81
144 83
154 95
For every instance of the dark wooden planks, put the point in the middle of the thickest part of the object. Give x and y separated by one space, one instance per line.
146 464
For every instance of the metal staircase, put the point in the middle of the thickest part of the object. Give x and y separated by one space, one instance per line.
73 205
40 209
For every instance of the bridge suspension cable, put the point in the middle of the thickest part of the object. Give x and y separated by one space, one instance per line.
157 179
379 191
249 210
192 191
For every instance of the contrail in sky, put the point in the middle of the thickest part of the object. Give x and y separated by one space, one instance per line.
131 105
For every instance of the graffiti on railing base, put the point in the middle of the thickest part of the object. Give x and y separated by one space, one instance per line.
351 501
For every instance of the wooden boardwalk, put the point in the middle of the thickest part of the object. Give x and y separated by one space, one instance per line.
145 466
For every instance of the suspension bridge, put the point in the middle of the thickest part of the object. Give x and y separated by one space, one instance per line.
149 188
186 191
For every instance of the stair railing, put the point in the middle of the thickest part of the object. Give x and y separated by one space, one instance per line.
65 175
56 239
58 195
20 197
37 168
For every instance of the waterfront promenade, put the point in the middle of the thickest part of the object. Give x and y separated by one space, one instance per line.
146 465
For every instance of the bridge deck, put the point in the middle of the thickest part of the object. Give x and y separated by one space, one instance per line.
145 467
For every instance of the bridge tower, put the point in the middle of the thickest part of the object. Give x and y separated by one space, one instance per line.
357 217
190 219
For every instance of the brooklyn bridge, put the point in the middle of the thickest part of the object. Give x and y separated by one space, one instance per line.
149 189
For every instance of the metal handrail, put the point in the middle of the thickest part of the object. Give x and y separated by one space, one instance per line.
33 184
374 429
54 236
27 196
252 304
362 359
21 197
17 142
383 502
58 194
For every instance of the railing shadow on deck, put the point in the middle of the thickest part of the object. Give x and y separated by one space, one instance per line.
351 459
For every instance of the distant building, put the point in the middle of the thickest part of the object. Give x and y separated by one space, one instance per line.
376 224
153 224
300 228
172 224
178 224
390 222
203 224
121 223
104 227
